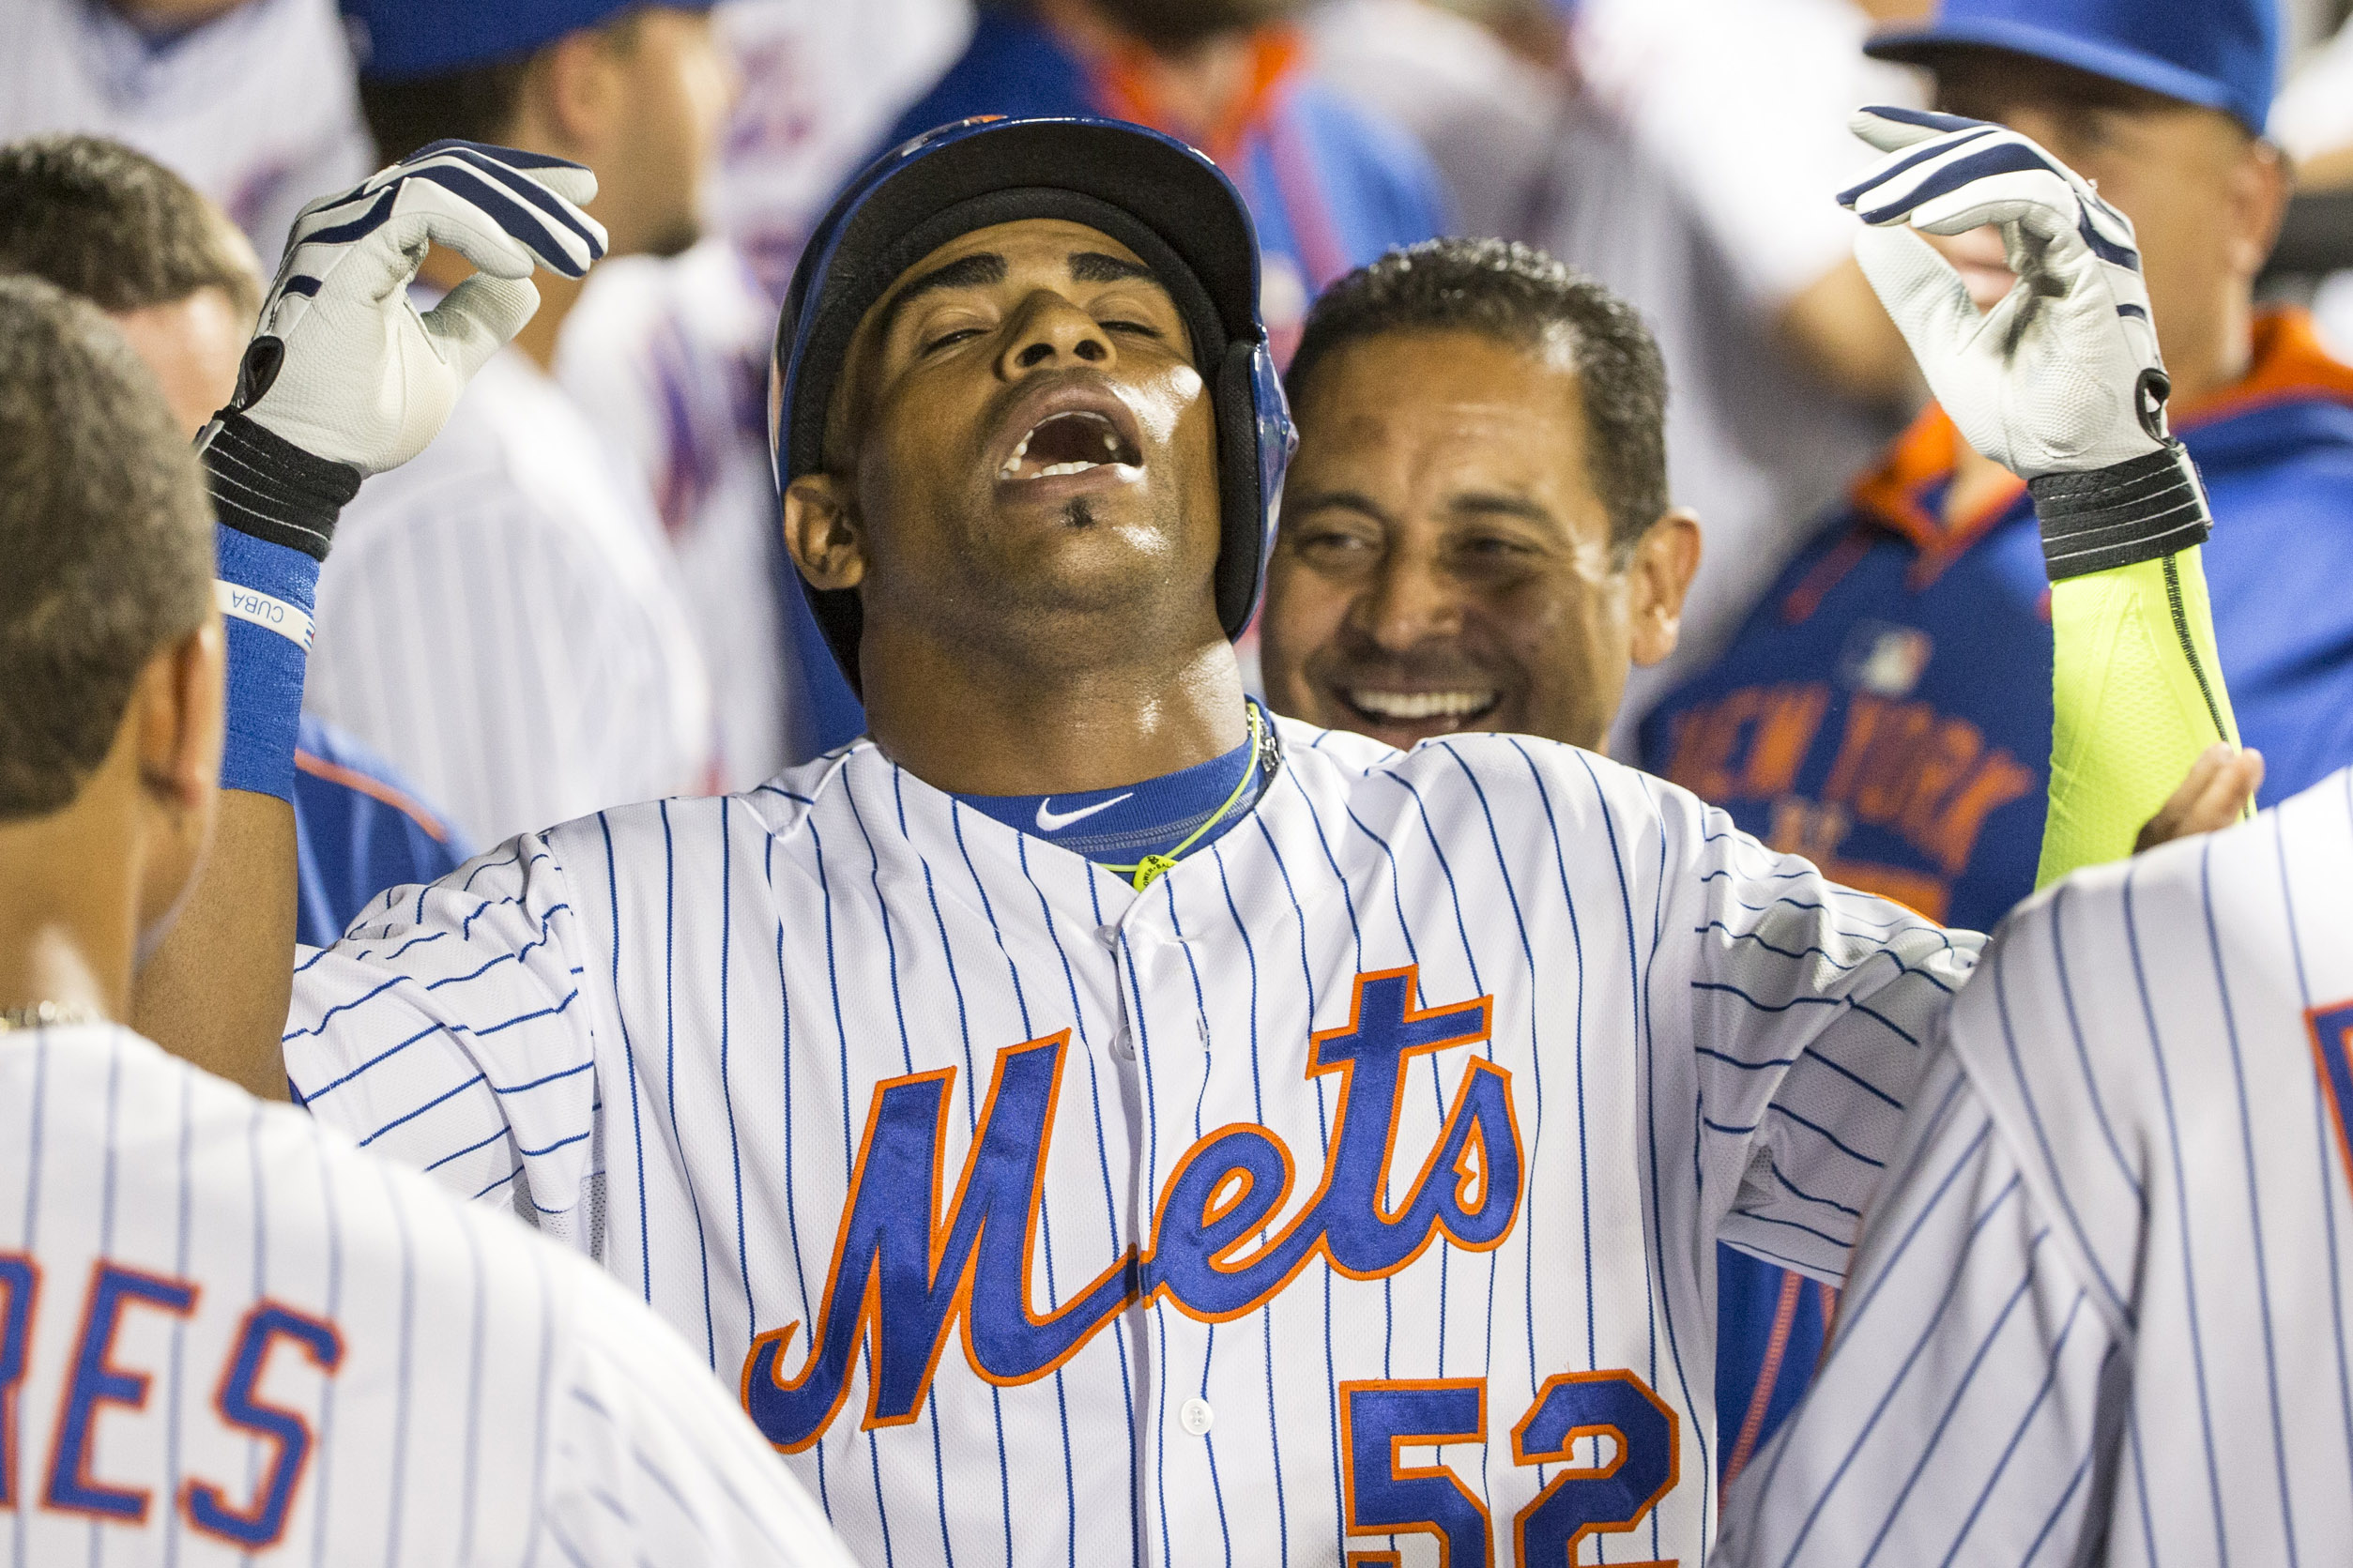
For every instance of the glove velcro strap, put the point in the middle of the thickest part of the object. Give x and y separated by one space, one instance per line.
266 486
2120 515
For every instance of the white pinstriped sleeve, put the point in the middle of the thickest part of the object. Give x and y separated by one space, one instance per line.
450 1032
1809 1008
510 667
1972 1383
653 1466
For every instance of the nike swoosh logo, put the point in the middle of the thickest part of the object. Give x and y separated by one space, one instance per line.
1053 821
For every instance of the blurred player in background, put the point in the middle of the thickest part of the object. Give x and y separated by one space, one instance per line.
668 356
1886 710
1330 185
224 1331
249 100
504 621
1597 138
120 230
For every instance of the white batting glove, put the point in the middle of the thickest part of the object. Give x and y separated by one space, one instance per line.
2060 382
2063 375
344 366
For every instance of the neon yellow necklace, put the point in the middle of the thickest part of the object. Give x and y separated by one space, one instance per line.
1145 872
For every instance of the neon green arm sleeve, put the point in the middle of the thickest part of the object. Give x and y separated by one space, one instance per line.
2136 694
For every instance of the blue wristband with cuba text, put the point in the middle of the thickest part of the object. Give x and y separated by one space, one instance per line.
277 507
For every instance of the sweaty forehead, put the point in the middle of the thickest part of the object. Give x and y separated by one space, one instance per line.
1040 247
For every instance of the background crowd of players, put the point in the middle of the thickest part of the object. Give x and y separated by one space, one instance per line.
1823 612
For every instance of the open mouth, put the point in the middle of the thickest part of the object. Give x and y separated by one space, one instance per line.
1072 442
1436 709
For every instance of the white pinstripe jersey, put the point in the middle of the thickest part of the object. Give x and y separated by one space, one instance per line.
1410 1109
255 109
500 618
2101 1316
226 1336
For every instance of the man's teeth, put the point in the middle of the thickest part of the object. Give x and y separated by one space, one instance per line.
1013 464
1011 470
1422 704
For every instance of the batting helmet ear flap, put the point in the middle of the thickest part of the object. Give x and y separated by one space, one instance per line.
1254 440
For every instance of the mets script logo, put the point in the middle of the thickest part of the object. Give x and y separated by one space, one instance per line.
900 1290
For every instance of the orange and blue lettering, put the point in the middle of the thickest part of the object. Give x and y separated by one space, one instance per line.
258 1526
97 1382
1348 1222
1383 1495
903 1276
21 1277
1646 1460
906 1272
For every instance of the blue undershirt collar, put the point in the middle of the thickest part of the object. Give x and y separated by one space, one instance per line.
1120 827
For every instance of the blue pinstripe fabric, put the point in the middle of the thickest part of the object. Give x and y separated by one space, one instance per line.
1643 960
481 1381
2145 1351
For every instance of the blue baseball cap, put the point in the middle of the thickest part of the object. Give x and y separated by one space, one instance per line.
399 40
2216 53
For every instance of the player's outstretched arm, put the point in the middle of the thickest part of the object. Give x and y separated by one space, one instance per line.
2062 384
345 378
1957 1413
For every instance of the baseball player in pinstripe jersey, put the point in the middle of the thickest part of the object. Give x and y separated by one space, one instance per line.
2099 1314
1086 1119
225 1333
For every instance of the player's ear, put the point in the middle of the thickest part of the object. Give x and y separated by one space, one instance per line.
177 712
821 532
2259 185
1666 559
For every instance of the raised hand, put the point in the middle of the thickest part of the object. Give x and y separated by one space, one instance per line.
344 366
2063 375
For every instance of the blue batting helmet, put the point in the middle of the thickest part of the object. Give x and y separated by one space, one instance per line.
1163 201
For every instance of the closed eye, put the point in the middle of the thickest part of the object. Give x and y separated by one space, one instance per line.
1140 329
948 340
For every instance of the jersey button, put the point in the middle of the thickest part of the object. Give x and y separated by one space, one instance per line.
1196 1417
1122 1046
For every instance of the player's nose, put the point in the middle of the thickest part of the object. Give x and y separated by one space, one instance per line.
1050 332
1410 603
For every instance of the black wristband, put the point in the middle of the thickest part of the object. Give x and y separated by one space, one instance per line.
266 486
2120 515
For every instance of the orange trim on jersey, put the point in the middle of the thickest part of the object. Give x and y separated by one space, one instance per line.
1398 1470
1127 94
259 1508
102 1357
2287 364
1761 1398
374 789
1572 1471
1311 1214
2337 1110
11 1445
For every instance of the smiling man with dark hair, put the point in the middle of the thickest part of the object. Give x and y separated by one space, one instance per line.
1476 534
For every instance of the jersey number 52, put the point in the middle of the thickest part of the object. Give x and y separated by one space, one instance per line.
1383 1495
